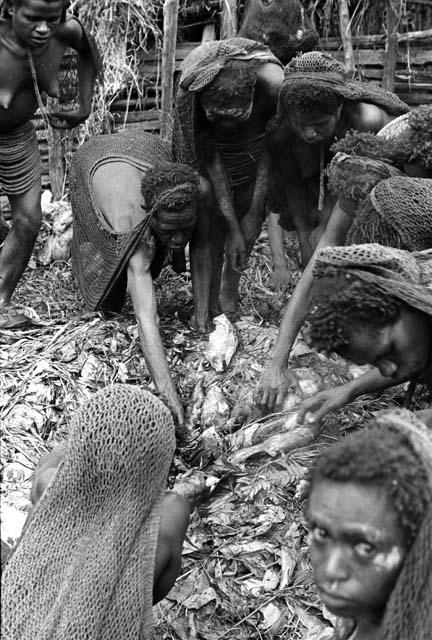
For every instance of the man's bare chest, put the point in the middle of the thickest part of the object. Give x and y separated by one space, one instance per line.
16 74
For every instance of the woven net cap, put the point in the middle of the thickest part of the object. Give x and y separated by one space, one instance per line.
321 70
84 566
404 275
406 203
411 136
408 613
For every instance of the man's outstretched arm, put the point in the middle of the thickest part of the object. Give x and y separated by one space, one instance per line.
276 378
140 287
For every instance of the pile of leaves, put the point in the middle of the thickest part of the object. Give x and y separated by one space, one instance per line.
246 571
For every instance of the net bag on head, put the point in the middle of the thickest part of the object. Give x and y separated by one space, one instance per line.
404 206
410 136
198 70
84 566
99 254
318 69
402 274
408 613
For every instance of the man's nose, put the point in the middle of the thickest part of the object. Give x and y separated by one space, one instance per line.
335 567
42 27
309 133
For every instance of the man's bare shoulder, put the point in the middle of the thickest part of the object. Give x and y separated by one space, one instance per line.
70 33
270 77
366 117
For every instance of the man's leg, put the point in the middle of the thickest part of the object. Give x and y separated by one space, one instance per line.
231 278
18 246
218 236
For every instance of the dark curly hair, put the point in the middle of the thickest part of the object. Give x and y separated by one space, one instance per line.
343 303
367 145
168 175
305 97
381 456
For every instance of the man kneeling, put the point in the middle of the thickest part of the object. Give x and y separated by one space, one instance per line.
130 205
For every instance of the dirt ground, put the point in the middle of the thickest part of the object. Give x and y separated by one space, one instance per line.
246 571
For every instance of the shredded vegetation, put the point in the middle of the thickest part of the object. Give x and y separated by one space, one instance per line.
246 571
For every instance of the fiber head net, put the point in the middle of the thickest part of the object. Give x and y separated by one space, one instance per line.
404 205
84 566
402 274
408 612
410 137
318 70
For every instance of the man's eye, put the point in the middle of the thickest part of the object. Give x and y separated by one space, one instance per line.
365 549
318 534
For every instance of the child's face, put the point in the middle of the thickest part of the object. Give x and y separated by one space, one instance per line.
35 21
356 545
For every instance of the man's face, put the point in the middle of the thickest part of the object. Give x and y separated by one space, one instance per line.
316 127
171 232
356 546
398 350
35 21
227 111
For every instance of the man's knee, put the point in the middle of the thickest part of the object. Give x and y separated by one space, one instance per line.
27 216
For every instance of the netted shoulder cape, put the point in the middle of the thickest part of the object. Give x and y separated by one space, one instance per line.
321 70
408 614
99 254
84 566
404 205
404 275
198 70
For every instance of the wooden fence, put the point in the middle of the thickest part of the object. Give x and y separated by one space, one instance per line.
413 80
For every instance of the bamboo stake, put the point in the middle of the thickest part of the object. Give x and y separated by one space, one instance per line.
394 12
346 35
55 155
168 65
228 19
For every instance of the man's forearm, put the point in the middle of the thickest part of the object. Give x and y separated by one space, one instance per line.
299 303
87 75
222 191
371 381
260 189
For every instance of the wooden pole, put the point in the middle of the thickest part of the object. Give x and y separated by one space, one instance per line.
228 19
394 12
346 35
55 155
208 33
168 65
